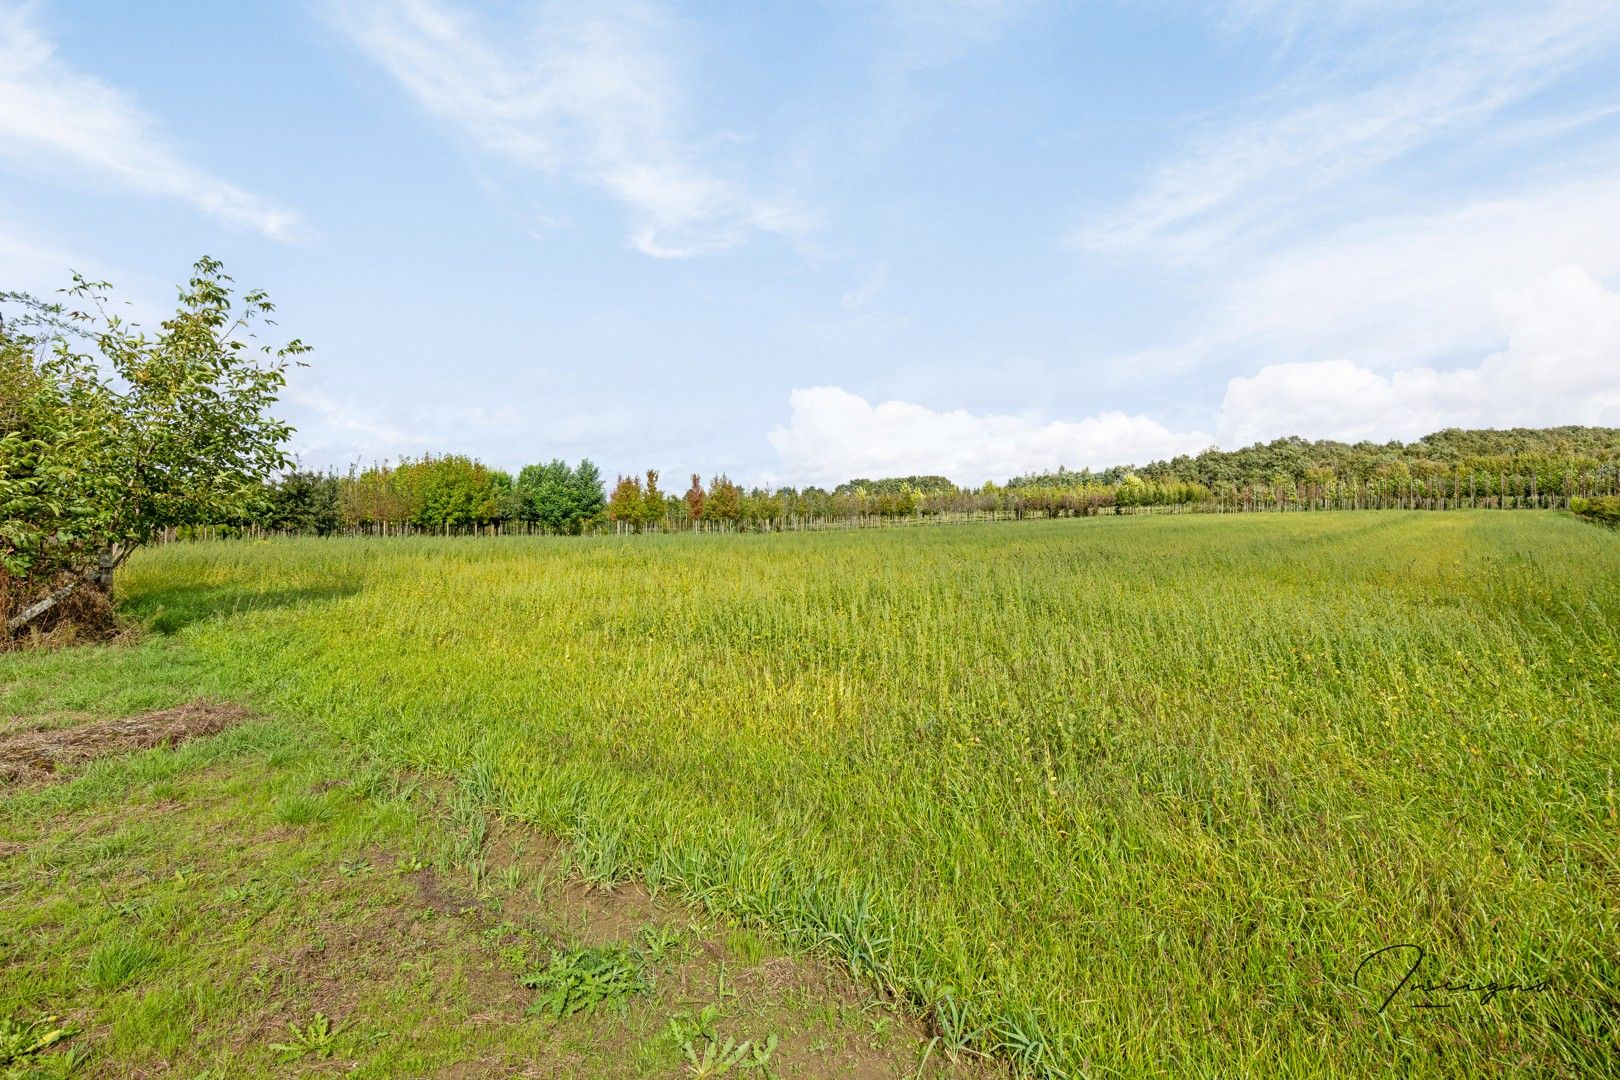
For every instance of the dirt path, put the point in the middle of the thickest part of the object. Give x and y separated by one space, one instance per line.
269 904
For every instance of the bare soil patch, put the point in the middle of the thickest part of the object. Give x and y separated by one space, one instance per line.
36 755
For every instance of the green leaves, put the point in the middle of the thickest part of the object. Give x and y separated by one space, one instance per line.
561 499
1605 509
49 512
585 979
450 491
303 501
20 1041
316 1038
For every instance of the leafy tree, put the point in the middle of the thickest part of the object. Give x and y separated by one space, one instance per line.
724 501
303 502
370 497
558 498
588 503
1132 491
47 513
624 506
452 491
543 494
694 498
652 502
131 434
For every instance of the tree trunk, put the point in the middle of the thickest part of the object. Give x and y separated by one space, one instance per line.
100 578
34 611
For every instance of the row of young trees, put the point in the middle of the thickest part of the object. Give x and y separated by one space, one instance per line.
111 437
1587 466
447 493
455 494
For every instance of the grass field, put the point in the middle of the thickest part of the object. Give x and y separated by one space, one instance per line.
1104 797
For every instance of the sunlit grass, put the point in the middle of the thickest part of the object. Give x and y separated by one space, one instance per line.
116 962
1123 796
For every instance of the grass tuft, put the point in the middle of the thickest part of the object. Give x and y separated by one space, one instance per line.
301 809
113 964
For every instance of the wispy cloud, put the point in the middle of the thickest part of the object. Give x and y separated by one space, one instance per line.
1288 20
1420 287
56 119
585 91
927 34
918 36
335 428
31 265
1248 176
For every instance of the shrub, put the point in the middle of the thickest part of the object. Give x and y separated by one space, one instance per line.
1604 509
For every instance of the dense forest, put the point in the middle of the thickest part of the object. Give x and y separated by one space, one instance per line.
1451 469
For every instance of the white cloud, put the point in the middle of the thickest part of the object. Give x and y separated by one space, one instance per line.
1254 175
589 94
1561 365
56 119
833 435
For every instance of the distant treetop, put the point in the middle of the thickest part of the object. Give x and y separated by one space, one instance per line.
897 485
1510 449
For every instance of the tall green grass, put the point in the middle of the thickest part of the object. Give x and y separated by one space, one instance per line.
1106 797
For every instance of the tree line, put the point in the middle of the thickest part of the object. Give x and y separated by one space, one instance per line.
450 492
1518 469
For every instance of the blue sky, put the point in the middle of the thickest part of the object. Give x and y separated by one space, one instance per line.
801 242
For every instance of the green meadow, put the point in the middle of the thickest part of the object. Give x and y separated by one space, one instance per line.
1100 797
